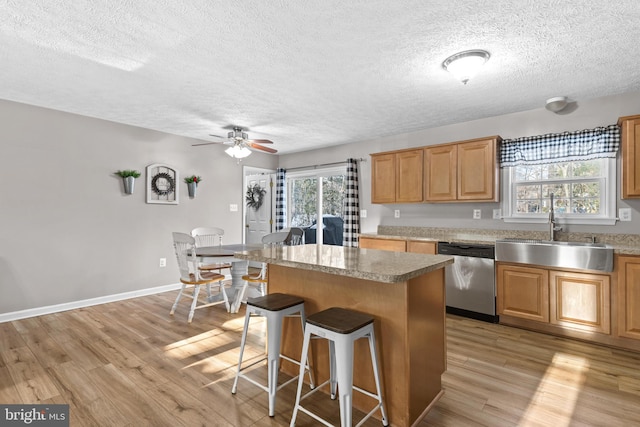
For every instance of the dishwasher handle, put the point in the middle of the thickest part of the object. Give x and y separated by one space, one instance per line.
467 249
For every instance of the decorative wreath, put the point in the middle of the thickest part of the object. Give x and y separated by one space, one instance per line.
255 196
171 184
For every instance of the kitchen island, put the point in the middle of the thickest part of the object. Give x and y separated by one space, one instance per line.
405 294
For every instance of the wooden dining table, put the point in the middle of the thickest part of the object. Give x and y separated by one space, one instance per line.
239 267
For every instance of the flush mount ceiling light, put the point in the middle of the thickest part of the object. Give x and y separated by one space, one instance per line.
556 104
464 65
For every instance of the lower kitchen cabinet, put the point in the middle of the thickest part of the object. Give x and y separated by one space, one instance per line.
422 247
563 298
580 301
628 297
397 245
523 292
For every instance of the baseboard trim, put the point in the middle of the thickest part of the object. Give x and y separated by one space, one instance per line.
39 311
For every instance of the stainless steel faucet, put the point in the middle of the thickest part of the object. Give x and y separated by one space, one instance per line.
552 221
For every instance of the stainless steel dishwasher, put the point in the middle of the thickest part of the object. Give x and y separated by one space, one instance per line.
470 281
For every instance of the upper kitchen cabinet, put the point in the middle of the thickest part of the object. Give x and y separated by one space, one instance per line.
440 176
396 177
466 171
630 156
383 178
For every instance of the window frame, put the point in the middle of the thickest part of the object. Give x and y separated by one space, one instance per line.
607 200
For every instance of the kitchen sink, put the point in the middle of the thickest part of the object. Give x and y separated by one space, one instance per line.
578 255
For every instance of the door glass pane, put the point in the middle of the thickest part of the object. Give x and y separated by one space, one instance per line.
332 206
303 201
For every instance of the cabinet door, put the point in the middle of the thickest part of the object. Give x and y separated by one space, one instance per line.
421 247
630 156
440 165
409 176
628 301
523 292
477 173
383 178
580 301
396 245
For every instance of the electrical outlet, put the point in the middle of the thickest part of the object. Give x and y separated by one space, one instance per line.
233 207
624 214
163 262
363 213
477 214
396 213
497 213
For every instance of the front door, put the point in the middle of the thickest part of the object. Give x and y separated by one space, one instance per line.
259 221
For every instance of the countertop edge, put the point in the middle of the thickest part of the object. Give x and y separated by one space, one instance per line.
376 277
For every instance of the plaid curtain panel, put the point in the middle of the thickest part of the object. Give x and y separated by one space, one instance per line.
579 145
351 208
281 198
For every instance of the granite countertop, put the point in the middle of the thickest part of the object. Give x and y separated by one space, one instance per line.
367 264
622 244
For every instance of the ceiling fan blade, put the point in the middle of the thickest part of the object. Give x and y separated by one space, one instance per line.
260 141
218 136
260 147
207 143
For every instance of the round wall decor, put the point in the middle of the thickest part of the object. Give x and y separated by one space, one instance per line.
255 196
162 184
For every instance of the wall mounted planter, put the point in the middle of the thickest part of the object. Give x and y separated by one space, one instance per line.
192 184
129 184
191 187
128 179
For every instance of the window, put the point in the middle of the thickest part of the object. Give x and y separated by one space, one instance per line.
584 191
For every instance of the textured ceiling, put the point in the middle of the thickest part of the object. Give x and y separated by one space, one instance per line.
308 74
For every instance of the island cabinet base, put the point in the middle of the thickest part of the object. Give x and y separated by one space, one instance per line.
409 327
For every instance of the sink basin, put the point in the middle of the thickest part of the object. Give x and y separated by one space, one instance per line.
578 255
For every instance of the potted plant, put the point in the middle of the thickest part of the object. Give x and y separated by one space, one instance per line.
128 178
192 183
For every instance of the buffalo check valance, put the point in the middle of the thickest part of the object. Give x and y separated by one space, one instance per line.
550 148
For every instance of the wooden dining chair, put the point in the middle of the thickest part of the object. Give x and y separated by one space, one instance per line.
295 237
210 236
192 275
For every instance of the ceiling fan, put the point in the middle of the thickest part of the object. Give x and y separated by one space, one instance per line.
241 145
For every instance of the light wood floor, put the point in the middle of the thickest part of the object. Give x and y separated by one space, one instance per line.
131 364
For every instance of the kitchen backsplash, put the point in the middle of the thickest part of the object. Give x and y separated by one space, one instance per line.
484 235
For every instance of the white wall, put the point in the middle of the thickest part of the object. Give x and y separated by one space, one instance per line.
588 114
69 232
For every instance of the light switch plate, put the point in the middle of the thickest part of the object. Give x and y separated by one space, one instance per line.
233 207
363 213
477 214
624 214
396 213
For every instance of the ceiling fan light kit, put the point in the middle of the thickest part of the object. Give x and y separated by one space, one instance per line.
238 151
465 65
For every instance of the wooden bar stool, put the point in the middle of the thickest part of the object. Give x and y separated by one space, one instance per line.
275 307
342 328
